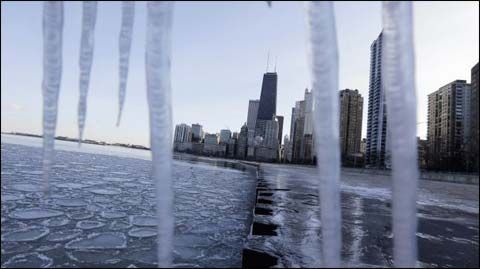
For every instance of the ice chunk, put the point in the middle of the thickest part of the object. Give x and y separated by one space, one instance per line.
89 17
29 260
71 185
94 256
142 232
112 214
72 202
34 213
120 225
26 234
15 247
108 240
26 187
56 222
80 215
63 235
143 220
11 197
117 179
106 191
89 224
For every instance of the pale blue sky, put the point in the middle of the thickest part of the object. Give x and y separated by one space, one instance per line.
219 57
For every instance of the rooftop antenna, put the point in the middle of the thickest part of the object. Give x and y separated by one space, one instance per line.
275 65
268 59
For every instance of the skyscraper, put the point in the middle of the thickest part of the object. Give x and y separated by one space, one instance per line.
474 155
225 136
268 102
447 115
351 109
197 132
183 133
251 120
242 142
377 144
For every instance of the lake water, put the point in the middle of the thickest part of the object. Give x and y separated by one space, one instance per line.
101 209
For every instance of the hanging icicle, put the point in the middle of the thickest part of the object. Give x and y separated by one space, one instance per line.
125 43
157 64
52 74
399 82
89 16
324 66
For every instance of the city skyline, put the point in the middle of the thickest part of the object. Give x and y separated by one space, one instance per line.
211 80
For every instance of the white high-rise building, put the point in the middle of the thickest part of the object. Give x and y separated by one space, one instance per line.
183 133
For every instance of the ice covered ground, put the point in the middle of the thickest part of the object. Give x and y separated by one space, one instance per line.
288 198
100 211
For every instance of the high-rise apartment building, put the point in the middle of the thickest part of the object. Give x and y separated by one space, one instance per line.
242 143
376 154
351 109
473 147
448 113
183 133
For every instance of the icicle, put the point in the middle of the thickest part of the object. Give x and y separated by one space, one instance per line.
157 61
52 74
89 16
399 82
125 43
324 65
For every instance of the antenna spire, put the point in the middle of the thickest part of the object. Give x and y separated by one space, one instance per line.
275 64
268 59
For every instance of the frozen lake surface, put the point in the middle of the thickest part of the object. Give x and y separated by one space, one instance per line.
101 212
101 209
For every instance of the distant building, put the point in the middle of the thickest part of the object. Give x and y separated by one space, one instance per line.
225 136
242 143
287 149
211 146
197 132
298 128
280 129
251 122
232 147
363 146
422 153
268 103
448 113
183 133
351 113
211 139
377 150
473 145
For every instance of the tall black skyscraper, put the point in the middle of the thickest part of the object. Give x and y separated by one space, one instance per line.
268 102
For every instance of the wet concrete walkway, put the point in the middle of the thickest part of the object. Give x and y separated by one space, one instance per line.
286 228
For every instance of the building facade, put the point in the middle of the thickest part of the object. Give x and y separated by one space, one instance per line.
267 107
183 133
351 114
376 153
225 136
197 132
448 113
473 146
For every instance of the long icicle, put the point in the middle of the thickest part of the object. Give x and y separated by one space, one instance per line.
89 17
52 74
124 45
399 81
157 63
324 66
